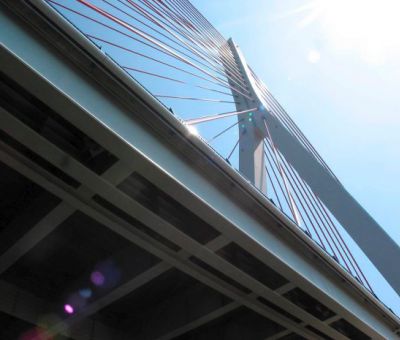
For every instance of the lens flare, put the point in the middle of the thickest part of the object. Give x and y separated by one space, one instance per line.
97 278
85 293
35 334
68 309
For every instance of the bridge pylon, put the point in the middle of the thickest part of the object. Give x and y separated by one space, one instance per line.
264 124
251 127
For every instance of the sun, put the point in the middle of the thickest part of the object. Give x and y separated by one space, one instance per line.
369 27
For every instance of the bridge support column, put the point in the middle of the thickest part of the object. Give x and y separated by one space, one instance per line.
365 231
251 154
251 148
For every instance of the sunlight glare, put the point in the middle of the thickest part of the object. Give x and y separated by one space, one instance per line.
192 130
313 56
369 27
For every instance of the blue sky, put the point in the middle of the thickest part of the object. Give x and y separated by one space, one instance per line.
344 99
347 107
333 65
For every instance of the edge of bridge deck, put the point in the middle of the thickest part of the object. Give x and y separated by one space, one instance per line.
203 150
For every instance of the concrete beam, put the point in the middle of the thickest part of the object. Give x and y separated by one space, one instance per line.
41 177
137 282
58 158
181 312
203 320
214 314
53 219
286 288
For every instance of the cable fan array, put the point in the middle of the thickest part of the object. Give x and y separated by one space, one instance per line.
175 52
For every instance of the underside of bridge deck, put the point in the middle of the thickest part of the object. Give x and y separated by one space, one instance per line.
99 240
55 255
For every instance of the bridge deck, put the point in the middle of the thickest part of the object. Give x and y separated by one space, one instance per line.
111 208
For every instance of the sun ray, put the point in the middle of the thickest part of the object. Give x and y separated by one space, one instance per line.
367 27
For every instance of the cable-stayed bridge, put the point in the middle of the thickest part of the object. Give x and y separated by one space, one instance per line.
153 188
